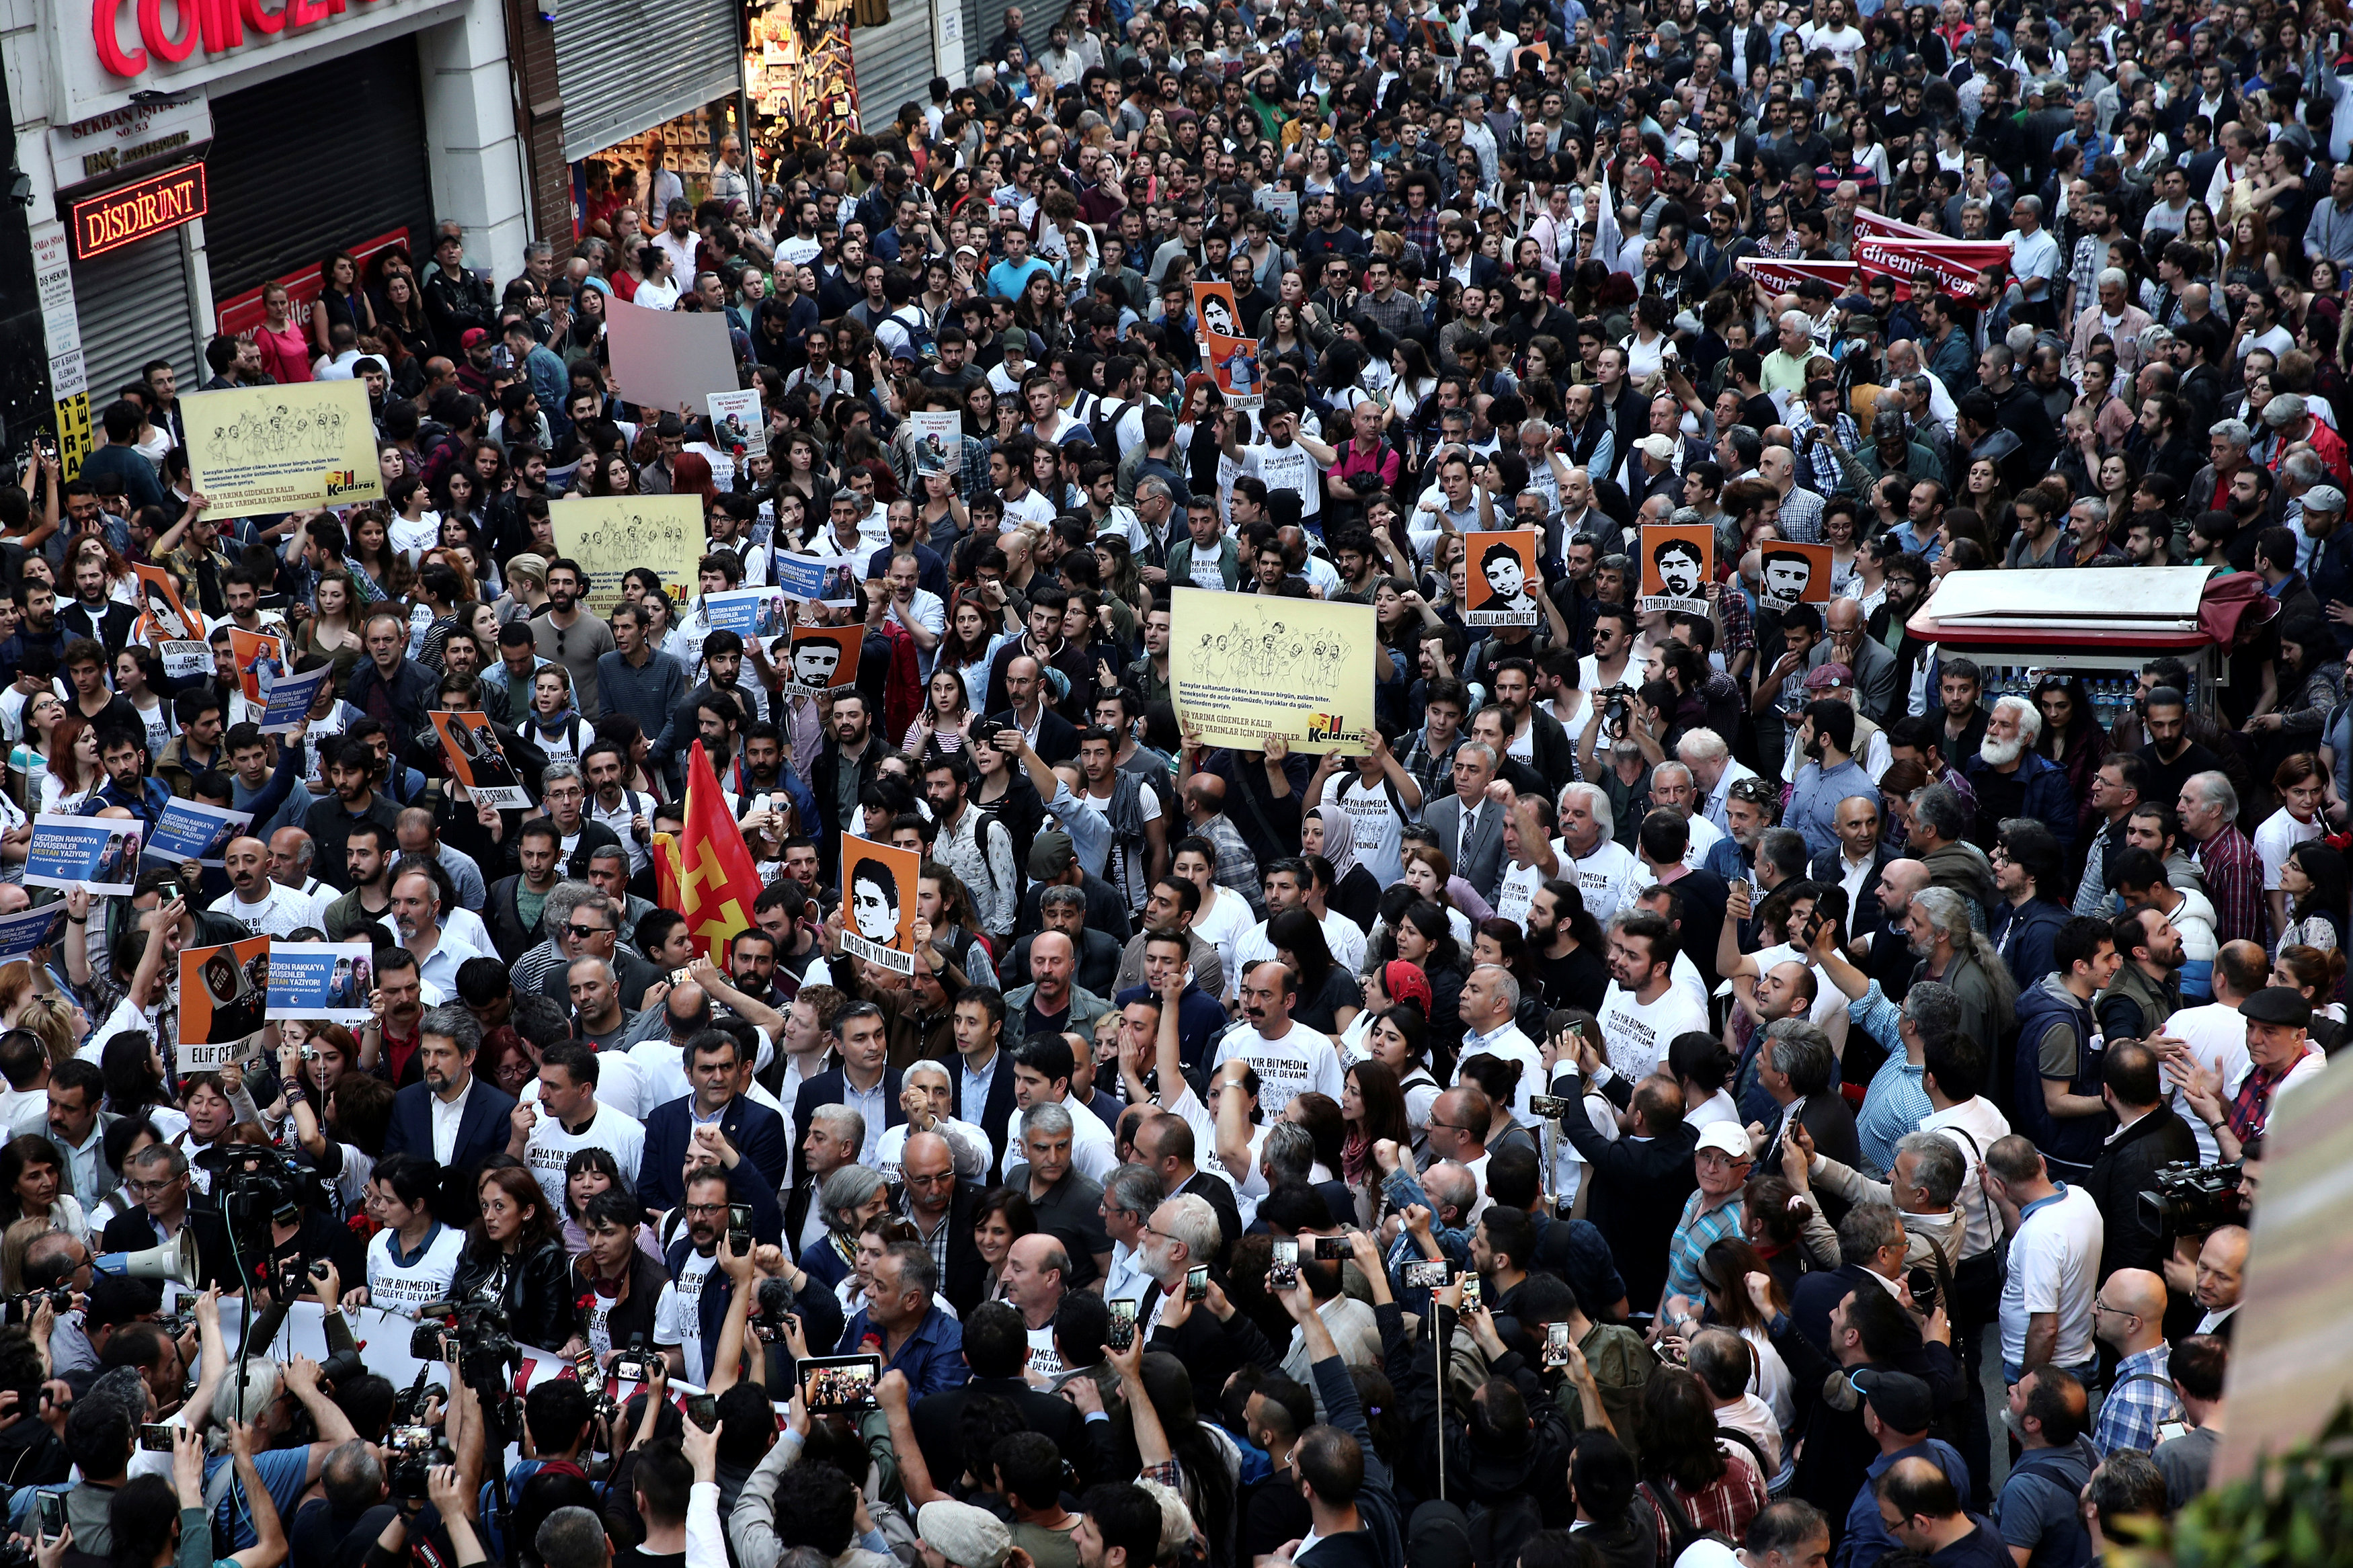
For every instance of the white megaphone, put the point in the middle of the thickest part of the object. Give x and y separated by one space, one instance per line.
175 1260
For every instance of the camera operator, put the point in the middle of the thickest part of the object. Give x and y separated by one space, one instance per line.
157 1176
281 1229
275 1399
57 1261
30 1454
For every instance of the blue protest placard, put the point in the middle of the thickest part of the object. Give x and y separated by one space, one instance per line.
22 931
99 853
190 830
290 696
827 582
749 612
321 980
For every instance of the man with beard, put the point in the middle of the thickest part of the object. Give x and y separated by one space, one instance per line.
2147 990
2170 756
574 640
2013 779
332 823
448 1116
1831 775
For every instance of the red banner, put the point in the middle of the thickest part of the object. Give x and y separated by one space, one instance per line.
1950 266
1867 222
1783 277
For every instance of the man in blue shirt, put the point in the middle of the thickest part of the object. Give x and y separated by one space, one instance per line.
1010 276
270 1394
1897 1411
902 1323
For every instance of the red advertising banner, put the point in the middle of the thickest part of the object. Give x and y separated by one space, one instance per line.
1782 277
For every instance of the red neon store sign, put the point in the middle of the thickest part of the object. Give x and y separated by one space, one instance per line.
214 26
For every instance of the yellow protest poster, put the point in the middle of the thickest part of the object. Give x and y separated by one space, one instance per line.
612 535
256 449
1243 665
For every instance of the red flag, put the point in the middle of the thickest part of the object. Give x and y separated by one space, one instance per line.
717 881
1950 266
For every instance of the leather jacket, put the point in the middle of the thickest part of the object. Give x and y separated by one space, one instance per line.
535 1291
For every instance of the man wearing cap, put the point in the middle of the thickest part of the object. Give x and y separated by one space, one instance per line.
1897 1411
1652 470
2280 1057
950 1534
1713 1212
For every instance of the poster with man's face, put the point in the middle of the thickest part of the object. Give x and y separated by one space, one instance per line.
475 759
1503 573
822 658
878 905
1214 311
1794 575
1678 564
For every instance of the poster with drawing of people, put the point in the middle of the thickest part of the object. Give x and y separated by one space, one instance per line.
878 910
1678 564
1502 567
476 760
1242 667
224 997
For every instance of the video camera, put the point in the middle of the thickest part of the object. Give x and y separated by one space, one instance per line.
257 1186
415 1451
2187 1199
486 1347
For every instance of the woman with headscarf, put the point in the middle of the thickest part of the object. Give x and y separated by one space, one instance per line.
1355 892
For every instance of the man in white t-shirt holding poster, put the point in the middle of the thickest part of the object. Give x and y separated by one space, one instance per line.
1645 1010
1288 459
1289 1058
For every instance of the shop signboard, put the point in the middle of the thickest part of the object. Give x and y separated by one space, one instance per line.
140 210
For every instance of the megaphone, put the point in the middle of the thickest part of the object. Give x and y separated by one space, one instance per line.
175 1260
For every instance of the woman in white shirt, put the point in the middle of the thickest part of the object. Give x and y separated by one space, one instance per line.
660 292
73 772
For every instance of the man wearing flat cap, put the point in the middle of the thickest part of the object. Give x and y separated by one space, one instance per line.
2280 1057
958 1535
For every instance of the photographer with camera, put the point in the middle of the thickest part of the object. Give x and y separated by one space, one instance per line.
262 1415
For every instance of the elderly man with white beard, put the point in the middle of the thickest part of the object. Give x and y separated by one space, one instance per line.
2013 779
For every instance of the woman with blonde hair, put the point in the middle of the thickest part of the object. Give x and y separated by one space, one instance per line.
13 1243
58 1022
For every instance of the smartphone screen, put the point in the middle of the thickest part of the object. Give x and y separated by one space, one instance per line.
53 1514
1122 1332
1555 1345
1196 1283
1285 1274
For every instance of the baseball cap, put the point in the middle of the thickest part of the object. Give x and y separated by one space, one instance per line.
473 335
1725 1137
2325 498
1658 448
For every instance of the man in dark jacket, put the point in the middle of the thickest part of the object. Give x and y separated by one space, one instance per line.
390 687
996 1347
2149 1133
1640 1182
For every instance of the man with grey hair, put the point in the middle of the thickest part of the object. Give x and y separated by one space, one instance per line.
1489 1005
1130 1194
2113 315
449 1116
573 1538
531 970
1470 826
2208 810
1952 952
2227 444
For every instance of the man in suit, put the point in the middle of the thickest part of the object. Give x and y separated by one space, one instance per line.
1856 864
1640 1182
1871 667
983 1083
865 1081
158 1177
835 1134
996 1350
713 1061
1165 1142
449 1116
1468 825
1051 736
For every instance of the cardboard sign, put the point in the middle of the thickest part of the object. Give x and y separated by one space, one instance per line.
823 658
1233 366
1503 564
749 612
1678 564
191 830
99 853
290 699
27 931
260 661
668 360
255 449
878 913
476 760
1794 575
320 981
224 997
939 441
1215 312
735 421
1242 667
609 536
815 579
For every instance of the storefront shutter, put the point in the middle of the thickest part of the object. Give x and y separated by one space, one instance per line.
315 162
132 306
894 65
625 65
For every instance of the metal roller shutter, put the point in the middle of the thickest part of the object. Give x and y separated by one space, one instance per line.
625 65
984 20
361 131
892 64
132 306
